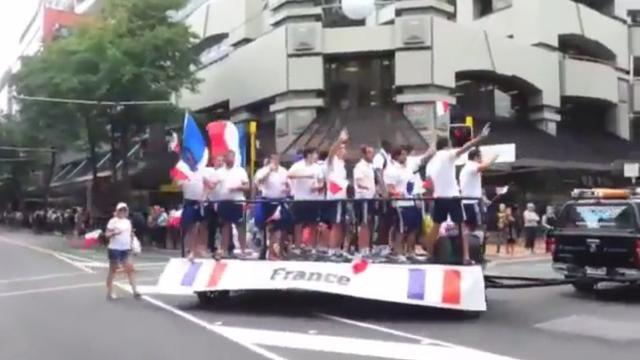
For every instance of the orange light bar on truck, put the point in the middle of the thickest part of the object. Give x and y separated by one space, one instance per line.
601 193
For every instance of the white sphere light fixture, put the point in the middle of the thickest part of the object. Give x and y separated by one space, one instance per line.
358 9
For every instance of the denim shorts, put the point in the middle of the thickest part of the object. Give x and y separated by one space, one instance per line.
118 256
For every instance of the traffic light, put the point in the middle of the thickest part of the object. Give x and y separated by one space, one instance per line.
460 134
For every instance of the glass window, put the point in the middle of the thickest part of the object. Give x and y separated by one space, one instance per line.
359 82
598 216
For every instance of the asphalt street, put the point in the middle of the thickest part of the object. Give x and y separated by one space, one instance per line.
53 306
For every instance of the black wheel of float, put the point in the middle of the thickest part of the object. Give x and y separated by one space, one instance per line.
584 286
210 297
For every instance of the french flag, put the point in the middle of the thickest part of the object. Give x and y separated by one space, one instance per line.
174 143
442 107
224 136
194 154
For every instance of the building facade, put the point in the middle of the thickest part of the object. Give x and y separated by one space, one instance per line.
556 65
50 19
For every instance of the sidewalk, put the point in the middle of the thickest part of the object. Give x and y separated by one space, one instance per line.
520 253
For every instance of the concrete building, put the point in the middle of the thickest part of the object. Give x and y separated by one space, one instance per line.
550 66
50 18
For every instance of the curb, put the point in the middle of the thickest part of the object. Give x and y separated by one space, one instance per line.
498 262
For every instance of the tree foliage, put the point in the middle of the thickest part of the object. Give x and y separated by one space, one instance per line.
132 52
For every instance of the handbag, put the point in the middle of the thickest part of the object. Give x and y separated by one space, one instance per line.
136 247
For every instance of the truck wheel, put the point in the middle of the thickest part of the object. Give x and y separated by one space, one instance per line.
210 297
584 286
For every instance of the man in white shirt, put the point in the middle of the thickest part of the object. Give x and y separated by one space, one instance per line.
447 204
307 185
385 213
233 186
365 192
193 214
400 183
336 184
213 175
471 188
272 181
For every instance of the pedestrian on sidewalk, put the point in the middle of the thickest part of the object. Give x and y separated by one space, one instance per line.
549 221
120 235
531 222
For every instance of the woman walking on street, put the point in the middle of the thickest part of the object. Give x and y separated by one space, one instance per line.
120 235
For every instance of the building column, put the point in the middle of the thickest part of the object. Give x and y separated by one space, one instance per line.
545 117
294 112
417 92
297 108
285 12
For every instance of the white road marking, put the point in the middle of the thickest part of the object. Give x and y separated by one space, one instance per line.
356 346
213 328
45 251
73 263
421 339
43 277
160 304
59 288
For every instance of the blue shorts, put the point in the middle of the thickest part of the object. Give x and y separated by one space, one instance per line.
192 212
265 210
364 209
118 256
409 219
472 214
333 212
306 212
444 208
230 212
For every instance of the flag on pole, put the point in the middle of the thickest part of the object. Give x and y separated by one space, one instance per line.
194 154
224 136
501 190
174 143
442 107
92 239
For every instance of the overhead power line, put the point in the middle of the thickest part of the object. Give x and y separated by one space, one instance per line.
92 102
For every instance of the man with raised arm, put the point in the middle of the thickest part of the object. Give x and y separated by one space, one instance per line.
336 179
447 204
471 189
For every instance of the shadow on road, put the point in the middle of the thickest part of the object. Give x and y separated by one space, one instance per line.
307 304
615 294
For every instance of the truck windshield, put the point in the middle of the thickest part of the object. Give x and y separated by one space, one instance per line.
598 216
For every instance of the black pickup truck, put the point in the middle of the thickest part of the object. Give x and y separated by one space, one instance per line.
598 240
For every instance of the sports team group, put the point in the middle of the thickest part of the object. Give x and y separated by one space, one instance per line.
305 206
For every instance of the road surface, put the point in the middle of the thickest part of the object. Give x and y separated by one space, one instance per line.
53 306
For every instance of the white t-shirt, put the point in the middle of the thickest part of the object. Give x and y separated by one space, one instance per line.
193 188
214 175
302 188
232 178
471 181
413 163
273 183
336 174
363 174
399 176
442 171
122 229
381 159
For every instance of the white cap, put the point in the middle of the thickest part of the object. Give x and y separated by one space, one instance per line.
121 206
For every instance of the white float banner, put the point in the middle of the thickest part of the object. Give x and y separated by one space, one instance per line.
506 153
441 286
